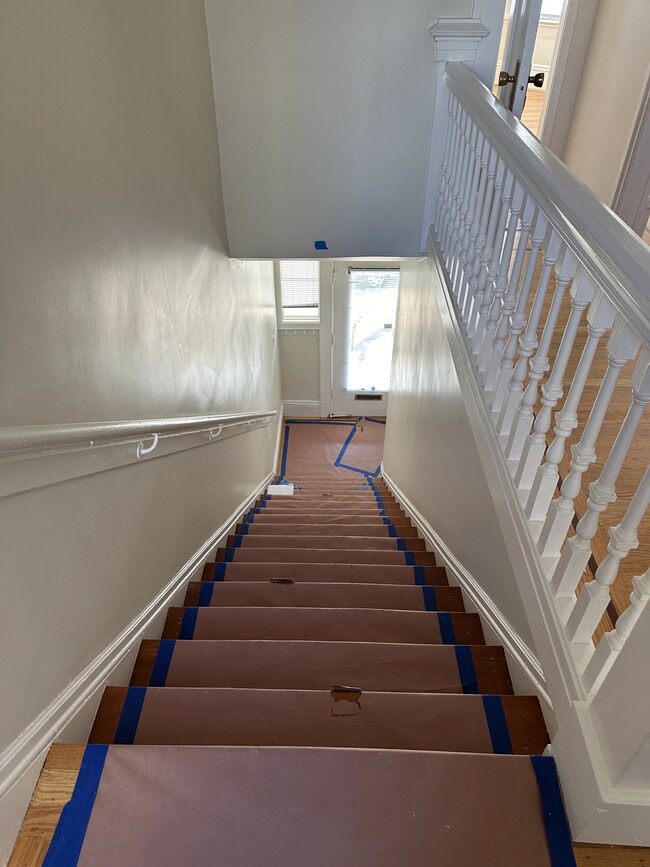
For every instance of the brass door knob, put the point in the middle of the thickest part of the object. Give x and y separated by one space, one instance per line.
505 78
537 80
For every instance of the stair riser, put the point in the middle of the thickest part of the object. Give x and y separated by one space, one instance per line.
356 543
321 555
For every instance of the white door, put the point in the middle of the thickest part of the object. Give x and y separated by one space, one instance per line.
364 303
522 21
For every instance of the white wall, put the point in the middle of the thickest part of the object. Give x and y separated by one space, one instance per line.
430 451
324 114
117 295
300 364
616 67
118 300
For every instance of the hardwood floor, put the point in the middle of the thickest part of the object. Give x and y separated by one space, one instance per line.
532 112
59 774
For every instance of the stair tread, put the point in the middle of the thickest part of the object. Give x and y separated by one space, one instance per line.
325 555
323 624
266 717
331 572
311 805
330 595
318 664
358 542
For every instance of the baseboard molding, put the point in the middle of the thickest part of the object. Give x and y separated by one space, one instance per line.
301 408
518 651
69 717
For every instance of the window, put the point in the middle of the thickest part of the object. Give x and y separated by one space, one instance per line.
299 291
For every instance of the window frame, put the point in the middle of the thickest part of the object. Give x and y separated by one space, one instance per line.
295 322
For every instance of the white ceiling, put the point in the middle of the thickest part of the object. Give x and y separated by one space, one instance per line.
324 114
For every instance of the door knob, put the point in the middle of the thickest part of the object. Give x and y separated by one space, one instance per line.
537 80
505 78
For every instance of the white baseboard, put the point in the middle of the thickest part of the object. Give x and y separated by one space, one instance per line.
301 408
69 717
525 668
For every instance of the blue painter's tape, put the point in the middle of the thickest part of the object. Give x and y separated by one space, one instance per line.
466 669
228 555
131 710
497 724
68 839
337 462
285 451
243 530
237 541
189 624
320 245
205 594
409 557
392 530
358 470
429 595
401 544
558 836
219 572
387 521
162 662
418 575
446 625
314 421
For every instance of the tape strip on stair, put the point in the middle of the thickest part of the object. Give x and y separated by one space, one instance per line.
558 835
68 839
130 717
497 724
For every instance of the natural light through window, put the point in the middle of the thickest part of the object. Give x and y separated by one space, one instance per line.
299 288
371 322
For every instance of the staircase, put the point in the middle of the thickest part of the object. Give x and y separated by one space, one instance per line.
322 698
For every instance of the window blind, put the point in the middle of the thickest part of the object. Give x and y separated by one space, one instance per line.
299 289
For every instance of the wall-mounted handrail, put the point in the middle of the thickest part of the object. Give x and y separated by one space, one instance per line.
44 438
617 258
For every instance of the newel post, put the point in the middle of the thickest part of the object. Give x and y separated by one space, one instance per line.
453 39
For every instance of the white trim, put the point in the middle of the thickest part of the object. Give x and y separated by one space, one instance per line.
69 717
565 75
507 635
301 408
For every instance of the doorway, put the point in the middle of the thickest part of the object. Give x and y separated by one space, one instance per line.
358 353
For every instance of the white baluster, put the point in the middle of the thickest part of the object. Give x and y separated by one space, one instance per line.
460 223
594 596
478 227
622 346
518 320
483 349
493 268
528 342
468 239
473 303
582 292
577 551
456 178
600 317
612 642
510 299
444 182
453 179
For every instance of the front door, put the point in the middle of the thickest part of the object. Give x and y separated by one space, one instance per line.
364 303
522 21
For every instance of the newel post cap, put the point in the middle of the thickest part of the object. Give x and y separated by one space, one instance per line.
457 38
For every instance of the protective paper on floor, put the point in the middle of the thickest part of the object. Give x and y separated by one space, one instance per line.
280 807
336 450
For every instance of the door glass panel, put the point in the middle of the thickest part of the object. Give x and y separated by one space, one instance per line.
370 328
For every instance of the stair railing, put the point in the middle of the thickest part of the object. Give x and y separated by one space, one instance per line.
520 241
52 438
